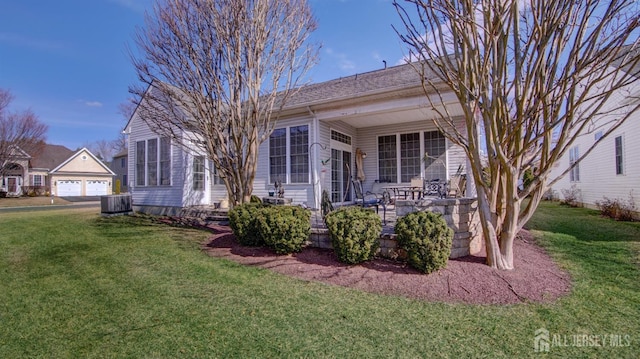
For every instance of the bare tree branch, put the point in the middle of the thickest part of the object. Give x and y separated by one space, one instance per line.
19 131
215 72
531 77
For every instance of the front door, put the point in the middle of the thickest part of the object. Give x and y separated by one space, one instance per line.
13 186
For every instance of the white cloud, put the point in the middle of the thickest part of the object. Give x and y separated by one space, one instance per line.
93 103
341 59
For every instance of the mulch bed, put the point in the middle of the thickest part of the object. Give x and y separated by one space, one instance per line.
465 280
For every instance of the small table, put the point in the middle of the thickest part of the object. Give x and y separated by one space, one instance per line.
278 201
405 190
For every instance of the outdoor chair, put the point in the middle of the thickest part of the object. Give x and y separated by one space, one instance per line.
433 187
368 199
456 186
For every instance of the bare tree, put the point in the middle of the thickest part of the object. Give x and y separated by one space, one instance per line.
215 72
530 77
103 149
19 131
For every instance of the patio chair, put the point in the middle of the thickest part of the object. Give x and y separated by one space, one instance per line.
368 199
456 186
433 188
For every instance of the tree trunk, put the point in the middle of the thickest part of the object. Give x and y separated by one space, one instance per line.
499 252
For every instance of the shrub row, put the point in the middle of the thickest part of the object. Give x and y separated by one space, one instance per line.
354 232
281 228
618 209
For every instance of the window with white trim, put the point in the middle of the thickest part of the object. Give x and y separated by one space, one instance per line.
435 145
198 173
409 156
140 162
153 162
619 155
36 180
289 154
407 150
574 155
387 159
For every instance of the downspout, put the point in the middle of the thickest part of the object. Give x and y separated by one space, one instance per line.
317 187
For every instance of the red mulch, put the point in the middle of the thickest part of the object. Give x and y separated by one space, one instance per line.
465 280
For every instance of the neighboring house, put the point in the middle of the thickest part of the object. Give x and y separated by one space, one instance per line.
58 171
384 114
612 169
120 166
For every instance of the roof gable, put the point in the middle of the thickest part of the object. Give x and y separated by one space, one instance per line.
83 161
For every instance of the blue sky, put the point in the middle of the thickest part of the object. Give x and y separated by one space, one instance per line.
68 61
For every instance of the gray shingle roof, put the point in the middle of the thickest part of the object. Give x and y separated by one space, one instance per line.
51 156
402 76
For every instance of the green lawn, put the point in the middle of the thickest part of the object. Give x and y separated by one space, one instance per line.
75 285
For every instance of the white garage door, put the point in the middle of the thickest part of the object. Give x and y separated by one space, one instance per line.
69 188
97 188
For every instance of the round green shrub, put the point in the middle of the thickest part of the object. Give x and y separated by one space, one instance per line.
355 233
285 229
244 224
426 238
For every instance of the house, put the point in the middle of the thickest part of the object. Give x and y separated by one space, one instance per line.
58 171
612 169
382 115
120 166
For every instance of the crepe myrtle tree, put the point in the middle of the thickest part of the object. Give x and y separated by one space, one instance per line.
215 74
19 131
529 77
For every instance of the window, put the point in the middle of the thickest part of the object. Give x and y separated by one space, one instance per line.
574 174
409 156
387 159
435 145
36 180
289 149
198 173
597 136
165 161
122 162
408 150
153 162
140 160
299 154
619 156
124 181
278 154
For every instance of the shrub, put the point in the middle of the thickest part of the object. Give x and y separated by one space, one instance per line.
243 221
255 199
618 209
284 229
572 196
426 238
355 233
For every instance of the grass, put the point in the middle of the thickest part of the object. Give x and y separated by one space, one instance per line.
74 285
30 201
